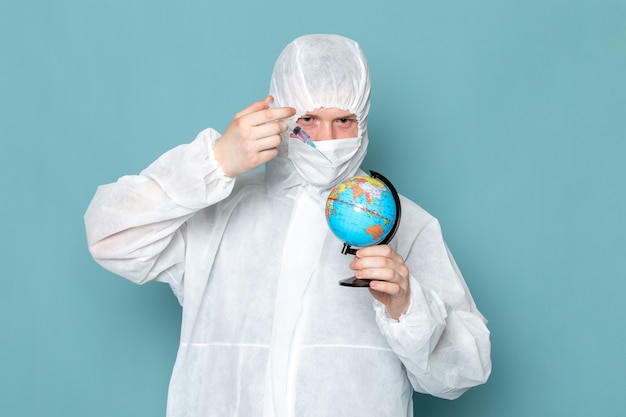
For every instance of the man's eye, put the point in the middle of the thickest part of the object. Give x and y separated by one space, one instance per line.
305 120
346 121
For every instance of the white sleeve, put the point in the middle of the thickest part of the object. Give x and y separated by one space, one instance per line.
442 340
135 226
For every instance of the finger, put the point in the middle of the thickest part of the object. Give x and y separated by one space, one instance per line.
382 262
380 274
379 250
390 288
270 129
381 268
267 155
255 107
267 143
271 114
260 112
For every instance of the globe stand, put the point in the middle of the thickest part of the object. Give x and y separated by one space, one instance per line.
354 281
349 250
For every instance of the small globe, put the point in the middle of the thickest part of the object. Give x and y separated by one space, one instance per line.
362 211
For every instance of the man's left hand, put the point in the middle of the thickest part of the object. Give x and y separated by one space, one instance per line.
390 276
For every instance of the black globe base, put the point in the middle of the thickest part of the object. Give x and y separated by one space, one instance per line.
355 282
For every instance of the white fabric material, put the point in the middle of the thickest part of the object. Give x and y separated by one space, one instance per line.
323 170
289 301
266 329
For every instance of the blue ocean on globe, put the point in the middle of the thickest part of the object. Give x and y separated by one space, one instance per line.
361 211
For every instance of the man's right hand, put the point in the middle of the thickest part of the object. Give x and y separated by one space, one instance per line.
249 140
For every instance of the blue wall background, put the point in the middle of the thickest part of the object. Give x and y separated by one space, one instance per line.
505 119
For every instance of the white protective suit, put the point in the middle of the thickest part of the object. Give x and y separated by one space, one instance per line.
266 329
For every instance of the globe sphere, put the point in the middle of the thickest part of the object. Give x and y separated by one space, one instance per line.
361 211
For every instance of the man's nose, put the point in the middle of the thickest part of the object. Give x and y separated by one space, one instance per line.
325 131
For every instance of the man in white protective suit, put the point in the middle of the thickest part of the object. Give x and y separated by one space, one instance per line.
266 329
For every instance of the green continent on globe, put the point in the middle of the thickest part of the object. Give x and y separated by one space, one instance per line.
361 211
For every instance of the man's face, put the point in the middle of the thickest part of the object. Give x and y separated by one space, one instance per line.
329 124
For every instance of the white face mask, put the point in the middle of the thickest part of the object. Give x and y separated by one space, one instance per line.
317 170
